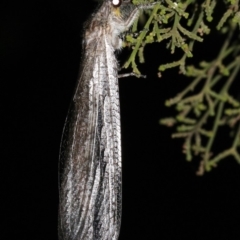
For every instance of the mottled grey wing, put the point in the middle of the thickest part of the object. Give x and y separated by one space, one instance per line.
90 157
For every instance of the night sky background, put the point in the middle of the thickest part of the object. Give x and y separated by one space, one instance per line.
40 50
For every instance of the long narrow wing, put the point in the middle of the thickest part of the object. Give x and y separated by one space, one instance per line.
90 157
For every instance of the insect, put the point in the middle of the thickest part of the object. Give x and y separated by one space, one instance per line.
90 155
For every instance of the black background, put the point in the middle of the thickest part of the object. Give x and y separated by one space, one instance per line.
162 197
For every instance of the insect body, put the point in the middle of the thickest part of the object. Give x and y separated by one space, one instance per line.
90 156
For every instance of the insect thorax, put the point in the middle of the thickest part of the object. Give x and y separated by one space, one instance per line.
110 21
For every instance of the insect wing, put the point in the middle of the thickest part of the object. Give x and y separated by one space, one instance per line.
90 160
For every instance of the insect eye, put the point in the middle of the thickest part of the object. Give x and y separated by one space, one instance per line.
116 3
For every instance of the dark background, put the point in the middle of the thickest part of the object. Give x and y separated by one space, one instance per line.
162 197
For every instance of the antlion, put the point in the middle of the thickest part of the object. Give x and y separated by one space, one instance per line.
90 155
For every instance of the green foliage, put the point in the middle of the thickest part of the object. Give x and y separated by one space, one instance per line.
199 114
